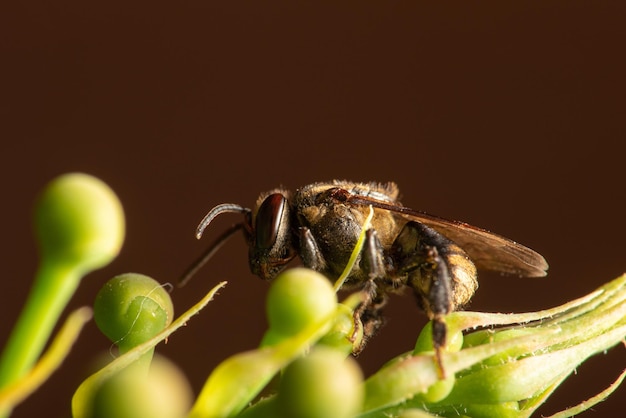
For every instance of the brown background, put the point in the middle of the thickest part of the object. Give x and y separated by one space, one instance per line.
507 117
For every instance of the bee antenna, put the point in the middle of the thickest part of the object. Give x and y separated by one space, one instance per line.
224 207
215 245
206 256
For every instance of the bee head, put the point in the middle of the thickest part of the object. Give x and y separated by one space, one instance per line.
270 237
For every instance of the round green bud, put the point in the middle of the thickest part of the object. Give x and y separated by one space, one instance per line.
132 308
424 343
505 356
297 298
79 221
162 393
323 384
439 390
272 337
415 413
340 335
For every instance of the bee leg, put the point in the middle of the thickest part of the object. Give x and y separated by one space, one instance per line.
309 251
368 317
440 305
368 314
372 262
422 254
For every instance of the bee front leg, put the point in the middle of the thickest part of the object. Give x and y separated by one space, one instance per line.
368 314
309 251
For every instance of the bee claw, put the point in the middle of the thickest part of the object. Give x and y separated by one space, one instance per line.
441 371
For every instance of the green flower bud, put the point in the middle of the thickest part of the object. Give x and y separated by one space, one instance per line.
323 384
163 393
132 308
80 227
301 308
136 360
424 343
340 335
80 222
298 298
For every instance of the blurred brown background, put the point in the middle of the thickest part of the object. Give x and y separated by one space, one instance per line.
510 117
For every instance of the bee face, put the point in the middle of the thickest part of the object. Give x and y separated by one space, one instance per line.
321 223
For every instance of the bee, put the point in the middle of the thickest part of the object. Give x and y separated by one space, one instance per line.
321 223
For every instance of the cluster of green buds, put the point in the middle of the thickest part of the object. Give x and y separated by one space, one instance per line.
317 380
134 311
494 365
506 365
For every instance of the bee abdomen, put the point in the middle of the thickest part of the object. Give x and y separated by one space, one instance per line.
462 272
418 250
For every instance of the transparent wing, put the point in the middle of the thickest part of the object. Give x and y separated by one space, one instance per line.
487 250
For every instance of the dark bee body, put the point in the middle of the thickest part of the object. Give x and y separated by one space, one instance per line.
321 223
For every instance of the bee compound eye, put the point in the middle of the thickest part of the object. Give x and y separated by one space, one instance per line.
268 219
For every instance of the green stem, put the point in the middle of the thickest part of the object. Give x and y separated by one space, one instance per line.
48 363
53 287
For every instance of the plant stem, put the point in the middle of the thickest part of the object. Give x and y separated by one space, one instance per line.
54 285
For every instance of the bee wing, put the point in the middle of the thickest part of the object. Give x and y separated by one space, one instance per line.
487 250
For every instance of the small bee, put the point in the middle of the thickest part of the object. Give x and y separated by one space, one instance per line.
321 223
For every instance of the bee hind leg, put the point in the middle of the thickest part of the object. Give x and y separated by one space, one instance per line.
438 302
424 256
